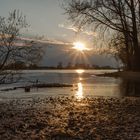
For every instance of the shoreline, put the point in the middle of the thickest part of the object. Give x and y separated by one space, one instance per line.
69 118
121 74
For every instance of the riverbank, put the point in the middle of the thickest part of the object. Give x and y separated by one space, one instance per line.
122 74
71 119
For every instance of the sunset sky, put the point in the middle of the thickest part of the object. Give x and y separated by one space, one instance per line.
46 18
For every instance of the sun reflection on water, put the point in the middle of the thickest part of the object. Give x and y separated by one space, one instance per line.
80 79
79 93
80 71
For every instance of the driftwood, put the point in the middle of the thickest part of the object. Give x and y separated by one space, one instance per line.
48 85
52 85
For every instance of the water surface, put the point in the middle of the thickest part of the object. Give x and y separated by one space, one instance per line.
85 84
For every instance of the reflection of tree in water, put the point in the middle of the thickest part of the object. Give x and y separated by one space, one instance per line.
130 87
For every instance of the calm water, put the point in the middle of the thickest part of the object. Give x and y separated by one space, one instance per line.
85 81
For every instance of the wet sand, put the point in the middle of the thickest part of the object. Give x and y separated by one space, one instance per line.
64 118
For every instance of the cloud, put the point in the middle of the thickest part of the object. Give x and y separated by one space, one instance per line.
68 27
90 33
76 29
46 42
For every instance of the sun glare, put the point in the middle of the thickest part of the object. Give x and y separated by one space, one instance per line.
80 46
80 71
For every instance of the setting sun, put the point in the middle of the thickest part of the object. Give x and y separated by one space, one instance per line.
80 46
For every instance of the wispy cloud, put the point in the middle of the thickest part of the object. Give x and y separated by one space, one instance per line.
46 42
76 29
68 27
90 33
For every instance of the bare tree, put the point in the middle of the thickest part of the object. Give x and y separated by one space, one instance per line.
13 48
117 47
110 16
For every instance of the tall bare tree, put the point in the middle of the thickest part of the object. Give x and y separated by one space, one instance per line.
13 48
111 16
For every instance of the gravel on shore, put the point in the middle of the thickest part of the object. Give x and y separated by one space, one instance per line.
67 118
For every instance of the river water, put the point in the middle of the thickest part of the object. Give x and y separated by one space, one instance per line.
85 81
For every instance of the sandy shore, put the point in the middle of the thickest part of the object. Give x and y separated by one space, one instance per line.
65 118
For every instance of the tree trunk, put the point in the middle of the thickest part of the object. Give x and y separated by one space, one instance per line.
136 61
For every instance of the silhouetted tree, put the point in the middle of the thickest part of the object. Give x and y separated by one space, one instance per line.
69 65
109 17
13 48
118 48
60 65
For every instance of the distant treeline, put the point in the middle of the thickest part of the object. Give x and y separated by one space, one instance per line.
21 66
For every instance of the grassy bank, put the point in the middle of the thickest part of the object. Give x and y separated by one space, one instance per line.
69 119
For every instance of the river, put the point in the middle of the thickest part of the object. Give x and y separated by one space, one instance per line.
87 84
